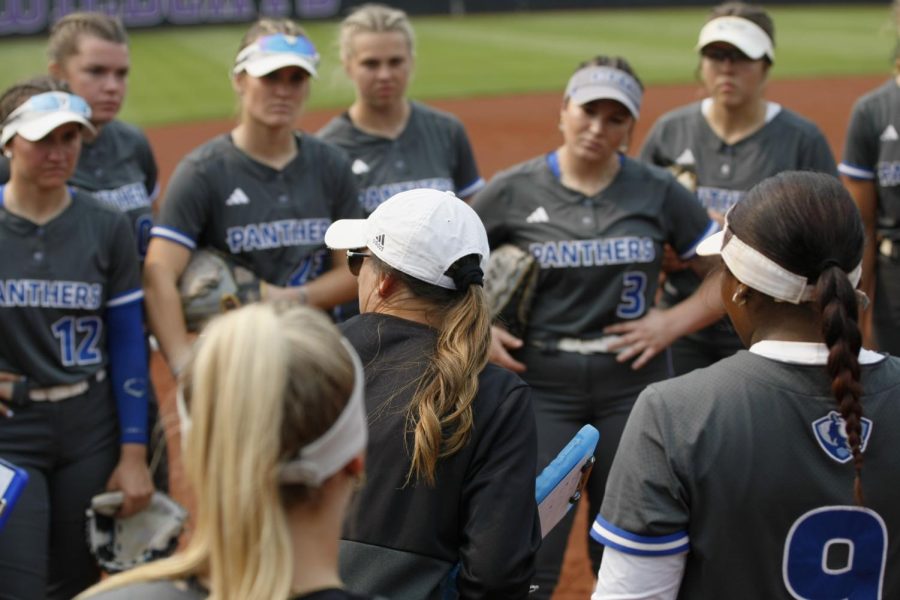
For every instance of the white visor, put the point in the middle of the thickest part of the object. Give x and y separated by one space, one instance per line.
761 273
743 34
41 114
273 52
344 440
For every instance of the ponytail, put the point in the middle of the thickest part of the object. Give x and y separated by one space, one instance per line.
838 304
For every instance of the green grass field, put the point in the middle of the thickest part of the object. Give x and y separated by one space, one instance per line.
181 74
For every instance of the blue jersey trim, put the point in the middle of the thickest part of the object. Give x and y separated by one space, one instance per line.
855 172
711 228
2 190
128 369
173 235
609 535
471 188
125 298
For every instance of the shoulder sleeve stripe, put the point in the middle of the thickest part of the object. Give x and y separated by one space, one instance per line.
711 228
155 193
855 172
173 235
125 298
609 535
471 188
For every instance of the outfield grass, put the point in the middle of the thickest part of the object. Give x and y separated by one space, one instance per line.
181 74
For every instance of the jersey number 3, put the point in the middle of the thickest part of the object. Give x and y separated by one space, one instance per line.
79 340
633 303
836 552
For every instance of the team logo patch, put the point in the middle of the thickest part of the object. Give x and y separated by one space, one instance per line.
831 433
378 241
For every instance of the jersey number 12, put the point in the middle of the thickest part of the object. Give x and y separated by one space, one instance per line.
79 340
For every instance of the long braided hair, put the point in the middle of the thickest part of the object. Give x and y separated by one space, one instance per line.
807 223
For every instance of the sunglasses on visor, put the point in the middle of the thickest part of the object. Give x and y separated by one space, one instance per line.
280 43
52 102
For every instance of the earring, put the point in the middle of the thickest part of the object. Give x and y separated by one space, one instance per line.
737 299
7 153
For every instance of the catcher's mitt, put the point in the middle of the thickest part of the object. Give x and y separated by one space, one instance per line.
119 544
213 283
509 284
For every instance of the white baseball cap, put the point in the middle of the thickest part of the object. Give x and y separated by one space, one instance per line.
42 113
743 34
420 232
273 52
596 82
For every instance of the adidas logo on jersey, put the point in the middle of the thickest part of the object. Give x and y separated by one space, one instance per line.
237 197
359 167
538 216
889 134
686 158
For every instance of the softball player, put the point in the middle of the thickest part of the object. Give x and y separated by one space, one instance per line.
72 355
264 193
771 474
727 143
871 171
89 51
595 221
273 418
395 144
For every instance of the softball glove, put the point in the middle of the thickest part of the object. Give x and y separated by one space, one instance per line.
509 284
213 283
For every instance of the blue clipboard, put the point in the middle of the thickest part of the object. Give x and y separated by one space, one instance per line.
12 482
558 488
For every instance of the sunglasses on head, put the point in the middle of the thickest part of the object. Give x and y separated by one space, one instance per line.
280 43
725 54
355 260
52 102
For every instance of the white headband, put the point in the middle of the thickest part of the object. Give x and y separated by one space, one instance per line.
326 455
345 439
758 271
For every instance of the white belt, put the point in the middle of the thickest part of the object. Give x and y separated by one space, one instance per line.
68 390
593 346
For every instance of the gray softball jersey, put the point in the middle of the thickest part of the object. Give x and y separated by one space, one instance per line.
725 172
744 465
273 221
433 151
599 256
56 282
872 151
117 168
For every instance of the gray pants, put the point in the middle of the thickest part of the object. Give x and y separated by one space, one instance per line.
570 390
69 449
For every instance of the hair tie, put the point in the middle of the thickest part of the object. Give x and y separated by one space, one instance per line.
828 263
469 275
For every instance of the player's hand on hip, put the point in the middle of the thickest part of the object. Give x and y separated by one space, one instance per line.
132 477
7 389
641 339
501 342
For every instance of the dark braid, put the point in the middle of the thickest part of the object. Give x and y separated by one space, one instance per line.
837 301
807 223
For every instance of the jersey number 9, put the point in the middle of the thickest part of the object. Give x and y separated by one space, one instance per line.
836 552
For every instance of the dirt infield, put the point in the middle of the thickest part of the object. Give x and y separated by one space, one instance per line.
505 131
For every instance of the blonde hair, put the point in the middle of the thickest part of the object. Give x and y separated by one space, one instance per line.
374 18
263 383
440 416
68 31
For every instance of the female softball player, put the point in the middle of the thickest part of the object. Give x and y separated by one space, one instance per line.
728 142
595 221
285 382
263 194
450 500
72 355
871 171
395 144
89 51
770 474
